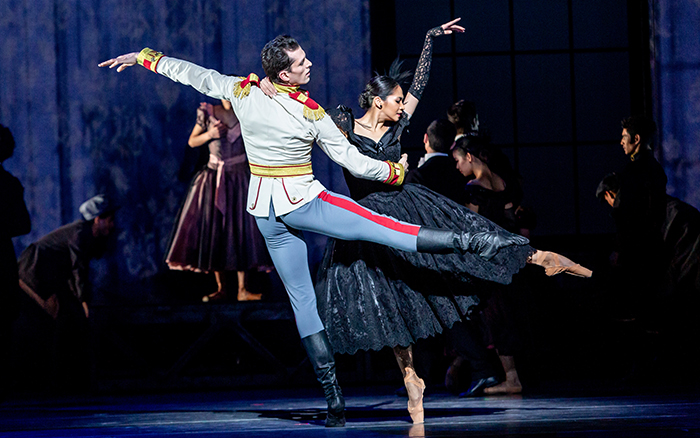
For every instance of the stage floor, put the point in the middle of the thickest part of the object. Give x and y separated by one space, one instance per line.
372 412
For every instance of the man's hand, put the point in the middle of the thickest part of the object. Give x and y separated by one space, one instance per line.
267 87
404 161
121 62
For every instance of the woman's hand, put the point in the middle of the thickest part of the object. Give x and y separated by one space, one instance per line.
450 27
121 61
268 87
404 161
207 108
217 130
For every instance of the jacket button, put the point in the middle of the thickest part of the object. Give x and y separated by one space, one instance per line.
294 199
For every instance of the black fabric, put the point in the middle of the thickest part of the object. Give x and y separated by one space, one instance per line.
504 313
681 237
640 206
440 174
387 148
14 221
371 296
466 338
492 205
639 211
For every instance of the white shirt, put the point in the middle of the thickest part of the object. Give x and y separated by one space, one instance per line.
276 133
426 157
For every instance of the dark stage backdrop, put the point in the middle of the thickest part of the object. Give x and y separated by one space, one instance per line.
82 130
676 73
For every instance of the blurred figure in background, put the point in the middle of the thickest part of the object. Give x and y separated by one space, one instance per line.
54 273
14 221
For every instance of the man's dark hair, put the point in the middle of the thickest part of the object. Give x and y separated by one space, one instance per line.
7 143
611 183
441 135
642 126
275 57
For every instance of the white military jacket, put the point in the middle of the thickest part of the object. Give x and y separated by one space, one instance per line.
278 138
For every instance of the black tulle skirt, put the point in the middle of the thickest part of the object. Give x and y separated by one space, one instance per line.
371 296
206 239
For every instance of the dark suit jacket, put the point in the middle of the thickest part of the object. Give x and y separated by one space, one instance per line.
640 206
440 175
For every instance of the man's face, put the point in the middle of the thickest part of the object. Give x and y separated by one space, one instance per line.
300 71
629 144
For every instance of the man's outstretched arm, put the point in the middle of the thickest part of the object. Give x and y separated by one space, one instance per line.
206 81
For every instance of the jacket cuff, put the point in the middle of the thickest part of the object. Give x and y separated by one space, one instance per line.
396 174
149 58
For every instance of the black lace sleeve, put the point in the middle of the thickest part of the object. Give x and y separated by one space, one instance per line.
420 77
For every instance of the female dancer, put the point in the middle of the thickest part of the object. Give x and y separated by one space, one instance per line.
495 193
369 296
213 232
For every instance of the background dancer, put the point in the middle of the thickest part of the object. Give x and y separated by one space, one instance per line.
213 232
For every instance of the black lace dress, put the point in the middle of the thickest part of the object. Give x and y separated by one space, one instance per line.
371 296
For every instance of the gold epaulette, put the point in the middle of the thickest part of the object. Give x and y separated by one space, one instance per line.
396 174
312 110
242 88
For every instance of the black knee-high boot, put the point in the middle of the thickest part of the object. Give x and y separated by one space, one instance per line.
321 357
484 243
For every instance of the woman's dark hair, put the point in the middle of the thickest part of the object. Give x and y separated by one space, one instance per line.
7 143
383 85
463 113
275 57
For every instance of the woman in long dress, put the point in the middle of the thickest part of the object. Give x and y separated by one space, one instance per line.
213 232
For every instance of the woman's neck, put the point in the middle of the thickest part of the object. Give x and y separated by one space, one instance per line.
372 120
488 179
371 125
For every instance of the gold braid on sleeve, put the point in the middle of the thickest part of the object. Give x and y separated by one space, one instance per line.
149 58
396 174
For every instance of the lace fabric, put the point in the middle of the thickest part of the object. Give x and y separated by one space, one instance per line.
422 73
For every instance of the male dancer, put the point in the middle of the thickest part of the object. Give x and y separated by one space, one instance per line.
285 197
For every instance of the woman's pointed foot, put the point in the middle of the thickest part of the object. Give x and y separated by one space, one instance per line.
554 264
415 388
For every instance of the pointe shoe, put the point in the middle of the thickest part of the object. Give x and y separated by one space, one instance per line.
244 295
554 264
415 388
219 295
